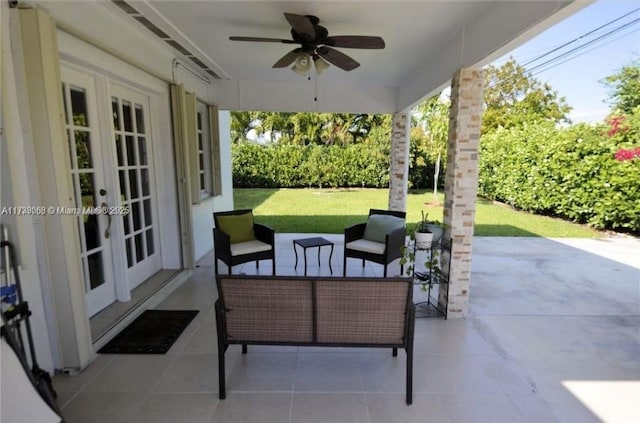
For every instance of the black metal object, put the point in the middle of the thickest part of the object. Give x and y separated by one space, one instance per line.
222 244
224 341
431 277
311 243
393 243
15 312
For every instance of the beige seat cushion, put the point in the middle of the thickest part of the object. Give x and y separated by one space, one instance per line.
366 246
249 247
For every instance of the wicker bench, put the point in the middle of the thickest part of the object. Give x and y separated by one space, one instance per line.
315 311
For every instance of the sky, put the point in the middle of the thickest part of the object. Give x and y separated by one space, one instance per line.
578 79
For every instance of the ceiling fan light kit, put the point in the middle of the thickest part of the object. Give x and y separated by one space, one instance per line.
302 64
321 64
315 43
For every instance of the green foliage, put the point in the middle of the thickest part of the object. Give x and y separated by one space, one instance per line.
571 173
307 128
513 98
429 143
625 88
291 166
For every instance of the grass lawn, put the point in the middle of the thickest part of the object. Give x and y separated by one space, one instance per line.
331 210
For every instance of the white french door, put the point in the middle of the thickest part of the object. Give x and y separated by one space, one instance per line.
132 143
89 186
110 144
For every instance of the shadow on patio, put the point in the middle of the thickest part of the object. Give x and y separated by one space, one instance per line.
552 335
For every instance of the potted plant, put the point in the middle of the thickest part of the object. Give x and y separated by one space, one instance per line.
430 269
423 233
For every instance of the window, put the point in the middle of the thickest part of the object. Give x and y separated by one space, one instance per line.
203 137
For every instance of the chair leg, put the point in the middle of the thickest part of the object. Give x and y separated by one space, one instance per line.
409 376
344 266
385 271
362 262
244 348
257 264
394 352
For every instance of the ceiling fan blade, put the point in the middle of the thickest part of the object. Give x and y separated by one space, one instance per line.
355 41
337 58
301 24
263 40
287 59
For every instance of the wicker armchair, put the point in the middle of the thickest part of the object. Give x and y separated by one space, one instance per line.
238 239
355 246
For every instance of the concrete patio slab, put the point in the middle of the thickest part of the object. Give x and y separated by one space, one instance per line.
552 335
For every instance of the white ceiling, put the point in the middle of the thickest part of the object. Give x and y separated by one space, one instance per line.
413 31
426 42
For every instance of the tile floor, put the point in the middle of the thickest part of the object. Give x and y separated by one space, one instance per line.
553 335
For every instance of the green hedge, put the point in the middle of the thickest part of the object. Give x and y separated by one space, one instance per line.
352 165
571 173
295 166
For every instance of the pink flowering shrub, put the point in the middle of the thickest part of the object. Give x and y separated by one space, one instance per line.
624 154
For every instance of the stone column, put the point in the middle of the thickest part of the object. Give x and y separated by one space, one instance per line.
399 169
461 187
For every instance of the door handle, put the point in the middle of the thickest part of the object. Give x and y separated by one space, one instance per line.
107 232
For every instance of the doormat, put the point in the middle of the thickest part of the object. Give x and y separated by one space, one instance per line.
153 332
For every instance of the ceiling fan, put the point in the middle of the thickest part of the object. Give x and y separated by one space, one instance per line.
316 44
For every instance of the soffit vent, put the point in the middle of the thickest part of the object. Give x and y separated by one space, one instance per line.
130 10
151 27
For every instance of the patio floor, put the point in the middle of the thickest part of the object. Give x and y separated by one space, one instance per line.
552 334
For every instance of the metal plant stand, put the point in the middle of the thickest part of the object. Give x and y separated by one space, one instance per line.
432 278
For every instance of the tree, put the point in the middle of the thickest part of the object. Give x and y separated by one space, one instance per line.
625 88
433 117
241 124
513 97
308 128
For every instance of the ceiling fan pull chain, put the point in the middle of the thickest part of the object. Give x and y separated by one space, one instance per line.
315 87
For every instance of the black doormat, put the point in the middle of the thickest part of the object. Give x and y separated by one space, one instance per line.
153 332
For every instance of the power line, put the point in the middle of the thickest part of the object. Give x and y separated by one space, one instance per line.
579 38
578 48
583 53
572 51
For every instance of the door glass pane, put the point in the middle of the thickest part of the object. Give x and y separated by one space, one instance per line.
79 107
142 150
96 273
135 214
73 162
139 119
139 247
119 150
83 149
133 184
126 116
116 114
91 231
124 194
125 222
131 150
87 189
147 212
144 181
130 262
150 246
